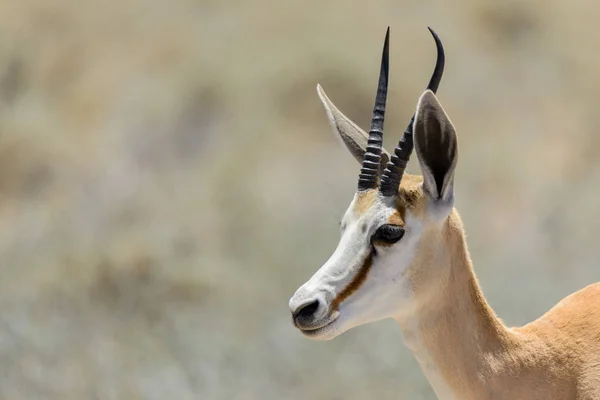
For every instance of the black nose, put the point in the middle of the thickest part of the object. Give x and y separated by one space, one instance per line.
306 311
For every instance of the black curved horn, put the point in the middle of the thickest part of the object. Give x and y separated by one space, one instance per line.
392 175
369 172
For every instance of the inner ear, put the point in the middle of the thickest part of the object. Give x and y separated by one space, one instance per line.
436 147
437 152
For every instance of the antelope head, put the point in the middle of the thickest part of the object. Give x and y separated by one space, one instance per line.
393 232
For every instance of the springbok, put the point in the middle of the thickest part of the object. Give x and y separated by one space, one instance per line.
403 255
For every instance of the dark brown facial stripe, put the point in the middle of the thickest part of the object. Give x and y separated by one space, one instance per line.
355 284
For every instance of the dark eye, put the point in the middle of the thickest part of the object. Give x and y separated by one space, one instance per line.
388 234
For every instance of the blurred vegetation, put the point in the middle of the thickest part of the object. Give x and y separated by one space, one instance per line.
168 179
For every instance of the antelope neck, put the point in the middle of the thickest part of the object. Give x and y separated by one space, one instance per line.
454 334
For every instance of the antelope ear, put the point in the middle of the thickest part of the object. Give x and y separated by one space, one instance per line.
437 148
352 136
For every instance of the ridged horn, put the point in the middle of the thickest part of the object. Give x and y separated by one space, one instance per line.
369 172
392 175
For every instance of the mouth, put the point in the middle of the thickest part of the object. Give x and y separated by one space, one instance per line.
318 329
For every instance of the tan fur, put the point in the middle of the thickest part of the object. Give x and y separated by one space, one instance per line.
364 200
555 357
409 193
397 217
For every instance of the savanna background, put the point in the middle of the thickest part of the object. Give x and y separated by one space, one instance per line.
168 179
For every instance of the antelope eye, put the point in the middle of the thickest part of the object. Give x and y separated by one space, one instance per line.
388 234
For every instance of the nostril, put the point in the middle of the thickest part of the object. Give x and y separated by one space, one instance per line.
307 310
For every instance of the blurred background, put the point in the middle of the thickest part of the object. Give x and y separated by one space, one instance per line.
168 179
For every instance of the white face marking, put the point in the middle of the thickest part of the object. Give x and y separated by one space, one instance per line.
385 292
